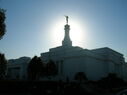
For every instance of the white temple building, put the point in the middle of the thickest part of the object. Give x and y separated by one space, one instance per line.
96 63
17 68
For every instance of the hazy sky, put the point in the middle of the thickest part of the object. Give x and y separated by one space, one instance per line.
31 25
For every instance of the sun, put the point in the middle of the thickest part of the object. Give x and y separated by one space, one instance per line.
76 32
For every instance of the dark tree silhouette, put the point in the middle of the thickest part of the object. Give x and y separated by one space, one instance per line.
112 80
2 24
3 66
51 69
35 68
80 76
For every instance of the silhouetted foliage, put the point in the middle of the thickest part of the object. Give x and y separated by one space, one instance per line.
111 81
35 68
51 69
3 66
80 76
2 24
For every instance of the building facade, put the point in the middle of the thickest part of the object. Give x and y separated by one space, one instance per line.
95 63
17 68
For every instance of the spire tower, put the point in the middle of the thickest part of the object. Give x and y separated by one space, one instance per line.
67 41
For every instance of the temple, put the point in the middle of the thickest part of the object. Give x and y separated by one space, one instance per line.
95 63
69 59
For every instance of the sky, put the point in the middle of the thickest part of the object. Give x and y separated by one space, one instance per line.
35 26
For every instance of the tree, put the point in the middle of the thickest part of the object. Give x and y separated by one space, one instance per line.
3 66
35 68
51 69
2 24
110 81
80 76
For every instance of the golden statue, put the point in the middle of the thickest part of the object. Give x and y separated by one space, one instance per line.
67 19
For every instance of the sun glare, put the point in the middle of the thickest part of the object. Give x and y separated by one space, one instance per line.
76 33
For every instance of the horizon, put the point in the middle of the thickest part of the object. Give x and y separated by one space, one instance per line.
33 27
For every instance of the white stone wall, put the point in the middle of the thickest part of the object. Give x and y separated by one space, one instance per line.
95 63
17 68
95 68
125 71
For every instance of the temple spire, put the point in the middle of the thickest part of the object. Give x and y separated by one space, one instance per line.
67 41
